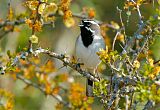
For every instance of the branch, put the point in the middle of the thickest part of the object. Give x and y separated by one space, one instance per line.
130 43
114 40
119 30
56 96
80 16
12 23
67 62
141 49
22 21
138 11
148 105
156 62
61 57
141 26
117 81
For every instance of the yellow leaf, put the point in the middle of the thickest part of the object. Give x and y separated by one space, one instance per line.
69 22
60 12
44 0
116 26
55 90
151 61
103 54
33 39
67 14
50 9
16 29
37 26
32 4
121 38
10 13
41 8
136 64
91 13
9 106
48 88
59 106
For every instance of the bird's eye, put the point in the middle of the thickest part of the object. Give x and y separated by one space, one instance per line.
88 24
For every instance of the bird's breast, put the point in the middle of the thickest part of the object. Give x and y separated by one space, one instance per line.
88 55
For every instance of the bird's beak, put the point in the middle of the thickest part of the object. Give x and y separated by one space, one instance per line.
80 25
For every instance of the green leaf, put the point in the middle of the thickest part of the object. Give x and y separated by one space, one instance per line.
9 53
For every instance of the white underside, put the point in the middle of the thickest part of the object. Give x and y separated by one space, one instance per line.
87 55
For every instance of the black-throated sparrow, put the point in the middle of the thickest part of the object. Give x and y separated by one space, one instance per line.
87 45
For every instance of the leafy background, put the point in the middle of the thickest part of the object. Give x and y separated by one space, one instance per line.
62 40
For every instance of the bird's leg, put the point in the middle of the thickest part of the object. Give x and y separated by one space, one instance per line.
95 71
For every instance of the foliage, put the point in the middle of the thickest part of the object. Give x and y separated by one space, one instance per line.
132 76
7 100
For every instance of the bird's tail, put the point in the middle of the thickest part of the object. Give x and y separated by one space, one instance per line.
89 88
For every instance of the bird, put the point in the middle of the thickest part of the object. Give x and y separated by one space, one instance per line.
88 43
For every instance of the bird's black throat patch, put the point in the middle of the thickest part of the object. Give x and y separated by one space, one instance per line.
87 36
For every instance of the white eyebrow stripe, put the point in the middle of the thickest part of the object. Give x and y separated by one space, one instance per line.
93 22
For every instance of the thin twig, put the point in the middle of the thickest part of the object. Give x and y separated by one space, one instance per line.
131 42
28 82
148 105
156 62
120 16
114 40
141 49
131 99
12 23
121 20
138 11
67 62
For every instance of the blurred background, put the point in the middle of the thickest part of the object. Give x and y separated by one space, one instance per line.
62 40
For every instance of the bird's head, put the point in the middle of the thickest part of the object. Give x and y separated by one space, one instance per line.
90 25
